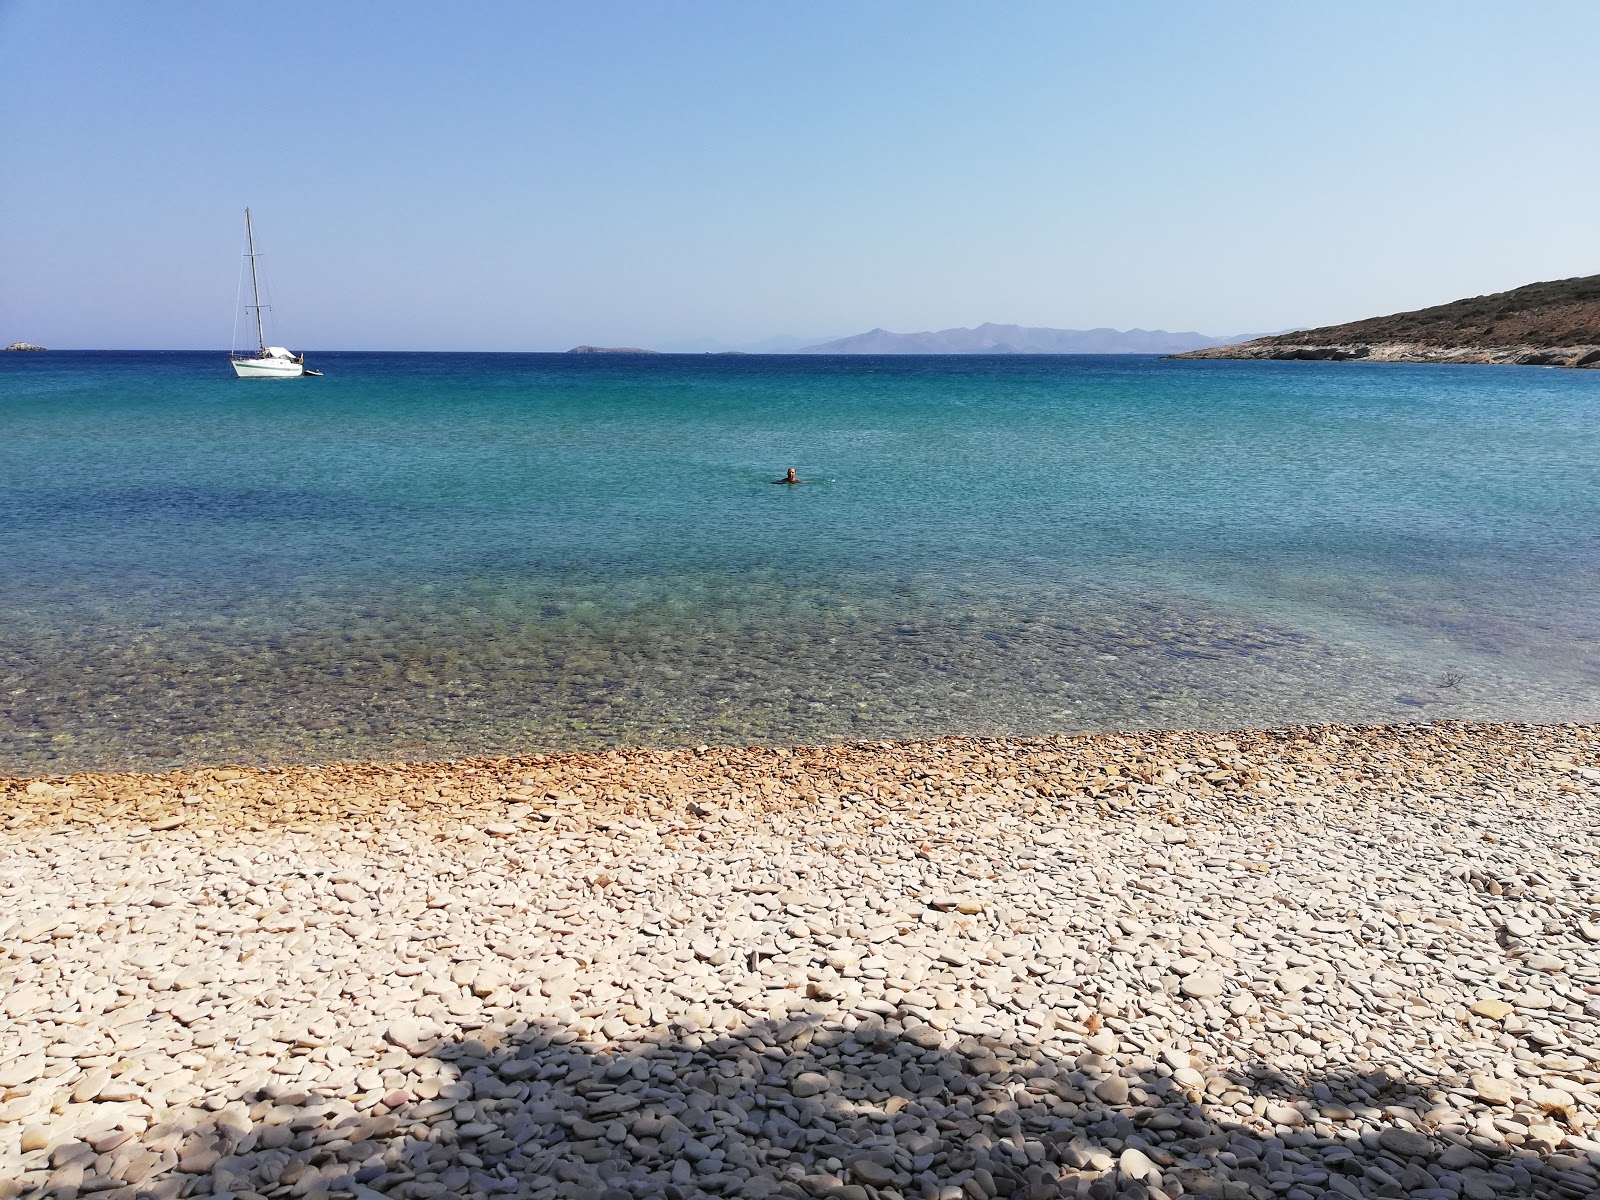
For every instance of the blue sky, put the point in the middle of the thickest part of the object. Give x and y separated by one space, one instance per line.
528 176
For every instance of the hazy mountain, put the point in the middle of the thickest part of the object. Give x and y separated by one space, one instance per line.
782 343
1019 339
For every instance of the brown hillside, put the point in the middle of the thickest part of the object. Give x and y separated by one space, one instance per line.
1562 312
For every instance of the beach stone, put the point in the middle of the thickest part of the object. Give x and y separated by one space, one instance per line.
1203 985
1492 1089
1549 1134
1552 1099
1134 1164
67 1178
1113 1091
871 1173
21 1070
1405 1144
808 1083
1495 1010
90 1086
1454 1158
410 1035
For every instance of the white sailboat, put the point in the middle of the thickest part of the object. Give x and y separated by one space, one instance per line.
268 362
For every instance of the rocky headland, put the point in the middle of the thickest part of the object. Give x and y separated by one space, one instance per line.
1554 324
23 346
610 350
1314 962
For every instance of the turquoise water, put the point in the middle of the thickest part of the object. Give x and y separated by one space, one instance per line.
442 555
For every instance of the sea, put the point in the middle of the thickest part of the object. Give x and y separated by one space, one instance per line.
439 556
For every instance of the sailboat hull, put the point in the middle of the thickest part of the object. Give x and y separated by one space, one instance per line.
267 368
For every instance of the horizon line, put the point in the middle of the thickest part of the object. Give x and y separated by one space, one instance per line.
624 352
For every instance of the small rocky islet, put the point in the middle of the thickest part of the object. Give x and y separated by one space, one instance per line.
1325 961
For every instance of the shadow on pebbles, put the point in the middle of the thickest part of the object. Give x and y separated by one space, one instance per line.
859 1108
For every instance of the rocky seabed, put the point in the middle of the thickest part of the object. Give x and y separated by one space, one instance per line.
1319 962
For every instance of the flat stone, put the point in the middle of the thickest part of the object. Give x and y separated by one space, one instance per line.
1113 1090
808 1083
21 1070
1202 985
1404 1144
411 1036
871 1173
1491 1089
1456 1157
1495 1010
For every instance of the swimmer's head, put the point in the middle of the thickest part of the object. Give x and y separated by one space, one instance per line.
790 477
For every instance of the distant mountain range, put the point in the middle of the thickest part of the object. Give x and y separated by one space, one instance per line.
782 343
1019 339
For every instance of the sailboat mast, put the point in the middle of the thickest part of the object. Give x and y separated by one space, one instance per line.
255 288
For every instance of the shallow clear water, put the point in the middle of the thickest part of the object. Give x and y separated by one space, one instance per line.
430 554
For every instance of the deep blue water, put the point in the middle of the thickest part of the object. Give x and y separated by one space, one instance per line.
444 554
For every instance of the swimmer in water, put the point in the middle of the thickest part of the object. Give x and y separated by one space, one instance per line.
790 477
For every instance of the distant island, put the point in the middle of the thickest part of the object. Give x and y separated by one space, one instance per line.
23 346
610 350
1553 324
1018 339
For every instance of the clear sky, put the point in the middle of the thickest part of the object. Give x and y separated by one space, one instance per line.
527 176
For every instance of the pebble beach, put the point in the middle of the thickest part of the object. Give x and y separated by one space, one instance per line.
1314 962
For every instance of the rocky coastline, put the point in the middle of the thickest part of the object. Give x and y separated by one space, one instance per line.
1551 324
1319 962
1587 356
